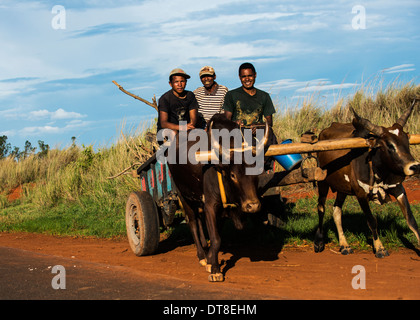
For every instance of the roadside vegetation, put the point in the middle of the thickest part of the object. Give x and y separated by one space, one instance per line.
70 191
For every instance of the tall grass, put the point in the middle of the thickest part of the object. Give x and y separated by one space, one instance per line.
71 186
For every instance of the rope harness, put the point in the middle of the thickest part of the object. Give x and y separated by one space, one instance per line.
376 191
223 192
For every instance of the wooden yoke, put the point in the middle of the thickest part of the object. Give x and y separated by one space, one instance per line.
325 145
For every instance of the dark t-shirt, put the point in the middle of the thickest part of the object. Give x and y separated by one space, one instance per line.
178 109
249 109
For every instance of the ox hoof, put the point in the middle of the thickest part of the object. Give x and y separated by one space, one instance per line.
381 253
208 268
216 277
319 247
346 250
203 262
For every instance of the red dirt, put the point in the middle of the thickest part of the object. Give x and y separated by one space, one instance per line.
15 194
295 192
292 273
273 273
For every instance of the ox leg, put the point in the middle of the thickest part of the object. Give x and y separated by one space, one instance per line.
401 196
202 236
337 215
380 251
194 227
319 244
213 253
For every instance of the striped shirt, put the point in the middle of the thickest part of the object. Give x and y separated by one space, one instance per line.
209 104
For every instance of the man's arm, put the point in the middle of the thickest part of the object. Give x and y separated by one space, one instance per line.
193 119
228 105
228 115
164 123
269 120
269 110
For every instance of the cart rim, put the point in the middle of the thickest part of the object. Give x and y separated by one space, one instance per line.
134 226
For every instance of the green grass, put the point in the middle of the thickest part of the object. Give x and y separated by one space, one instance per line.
90 218
302 222
86 218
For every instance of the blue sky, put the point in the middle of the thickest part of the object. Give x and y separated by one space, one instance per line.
57 83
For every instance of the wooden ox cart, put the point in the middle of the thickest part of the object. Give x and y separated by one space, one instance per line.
157 203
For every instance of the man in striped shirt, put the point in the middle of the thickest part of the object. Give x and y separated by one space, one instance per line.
211 95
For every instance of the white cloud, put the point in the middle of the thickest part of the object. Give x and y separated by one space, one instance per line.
59 114
39 114
120 37
8 133
288 84
304 86
21 113
11 114
399 68
40 130
326 87
314 85
222 22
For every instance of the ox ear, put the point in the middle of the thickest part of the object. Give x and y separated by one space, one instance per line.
403 119
359 122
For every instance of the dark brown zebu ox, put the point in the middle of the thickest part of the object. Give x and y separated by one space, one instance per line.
371 174
200 193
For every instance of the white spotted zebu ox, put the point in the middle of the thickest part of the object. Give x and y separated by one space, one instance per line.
371 174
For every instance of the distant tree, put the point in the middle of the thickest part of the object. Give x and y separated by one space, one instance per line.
73 141
5 147
44 148
16 153
28 149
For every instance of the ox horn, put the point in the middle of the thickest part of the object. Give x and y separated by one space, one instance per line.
244 147
403 119
376 130
262 144
216 145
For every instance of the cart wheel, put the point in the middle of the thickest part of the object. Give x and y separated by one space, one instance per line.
142 222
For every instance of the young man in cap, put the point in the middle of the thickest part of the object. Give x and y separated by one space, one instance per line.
177 104
211 95
248 105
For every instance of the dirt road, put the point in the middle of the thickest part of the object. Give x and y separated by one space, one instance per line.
250 273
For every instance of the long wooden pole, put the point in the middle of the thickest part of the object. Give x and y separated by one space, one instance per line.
414 138
325 145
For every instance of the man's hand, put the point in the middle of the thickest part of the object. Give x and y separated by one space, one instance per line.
188 126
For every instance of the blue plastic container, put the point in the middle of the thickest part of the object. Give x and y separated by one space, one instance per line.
289 161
